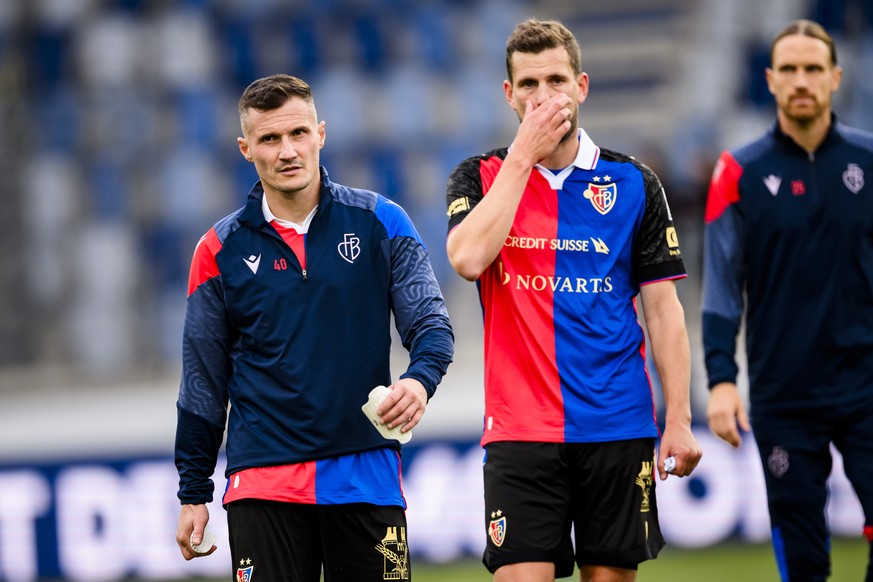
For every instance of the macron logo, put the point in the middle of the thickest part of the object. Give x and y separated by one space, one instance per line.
772 182
252 263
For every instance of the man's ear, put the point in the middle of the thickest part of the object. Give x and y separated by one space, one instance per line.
244 148
507 91
582 81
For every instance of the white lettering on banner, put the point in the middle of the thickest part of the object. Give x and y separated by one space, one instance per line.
147 484
156 515
693 518
444 494
112 524
25 498
844 510
91 523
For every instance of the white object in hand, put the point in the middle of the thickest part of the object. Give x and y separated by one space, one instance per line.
670 464
377 395
205 544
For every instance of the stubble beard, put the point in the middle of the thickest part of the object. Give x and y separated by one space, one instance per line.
808 116
574 126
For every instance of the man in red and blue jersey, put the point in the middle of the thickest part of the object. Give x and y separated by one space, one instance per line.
789 226
290 300
561 236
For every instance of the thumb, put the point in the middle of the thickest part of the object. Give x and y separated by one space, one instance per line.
197 535
743 419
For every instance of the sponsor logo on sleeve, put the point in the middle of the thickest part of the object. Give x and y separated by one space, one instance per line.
459 205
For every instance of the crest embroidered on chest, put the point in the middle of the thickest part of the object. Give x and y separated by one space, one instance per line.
853 178
602 196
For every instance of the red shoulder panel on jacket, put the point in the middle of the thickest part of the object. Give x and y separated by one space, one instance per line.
724 187
203 265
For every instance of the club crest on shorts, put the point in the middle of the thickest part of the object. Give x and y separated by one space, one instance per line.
394 549
244 572
497 528
602 197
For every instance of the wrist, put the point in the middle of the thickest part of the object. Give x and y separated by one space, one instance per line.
679 419
516 160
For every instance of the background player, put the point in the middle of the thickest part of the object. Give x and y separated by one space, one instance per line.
789 223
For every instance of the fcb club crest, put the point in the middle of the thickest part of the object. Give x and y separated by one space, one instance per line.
853 178
244 572
497 528
602 196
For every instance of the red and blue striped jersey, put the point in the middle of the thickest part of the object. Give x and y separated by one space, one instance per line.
564 352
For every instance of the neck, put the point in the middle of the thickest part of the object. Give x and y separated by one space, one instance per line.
807 135
564 154
292 206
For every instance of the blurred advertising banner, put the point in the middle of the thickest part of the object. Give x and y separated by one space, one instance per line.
112 518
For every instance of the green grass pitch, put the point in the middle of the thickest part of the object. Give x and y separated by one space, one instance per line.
722 563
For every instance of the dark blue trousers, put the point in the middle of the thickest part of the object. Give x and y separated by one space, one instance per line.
796 456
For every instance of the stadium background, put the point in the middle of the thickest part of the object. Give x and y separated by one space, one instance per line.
118 152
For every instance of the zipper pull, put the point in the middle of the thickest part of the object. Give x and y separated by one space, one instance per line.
305 276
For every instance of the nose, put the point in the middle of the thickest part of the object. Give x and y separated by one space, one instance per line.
542 94
288 151
802 79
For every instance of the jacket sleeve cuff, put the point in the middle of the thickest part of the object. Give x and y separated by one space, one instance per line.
196 454
719 346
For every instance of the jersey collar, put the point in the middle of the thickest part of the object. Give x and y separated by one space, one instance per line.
300 228
586 159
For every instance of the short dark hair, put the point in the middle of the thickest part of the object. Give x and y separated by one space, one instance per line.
535 36
272 92
806 28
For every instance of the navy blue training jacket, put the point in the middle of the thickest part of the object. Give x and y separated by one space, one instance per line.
794 232
296 352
